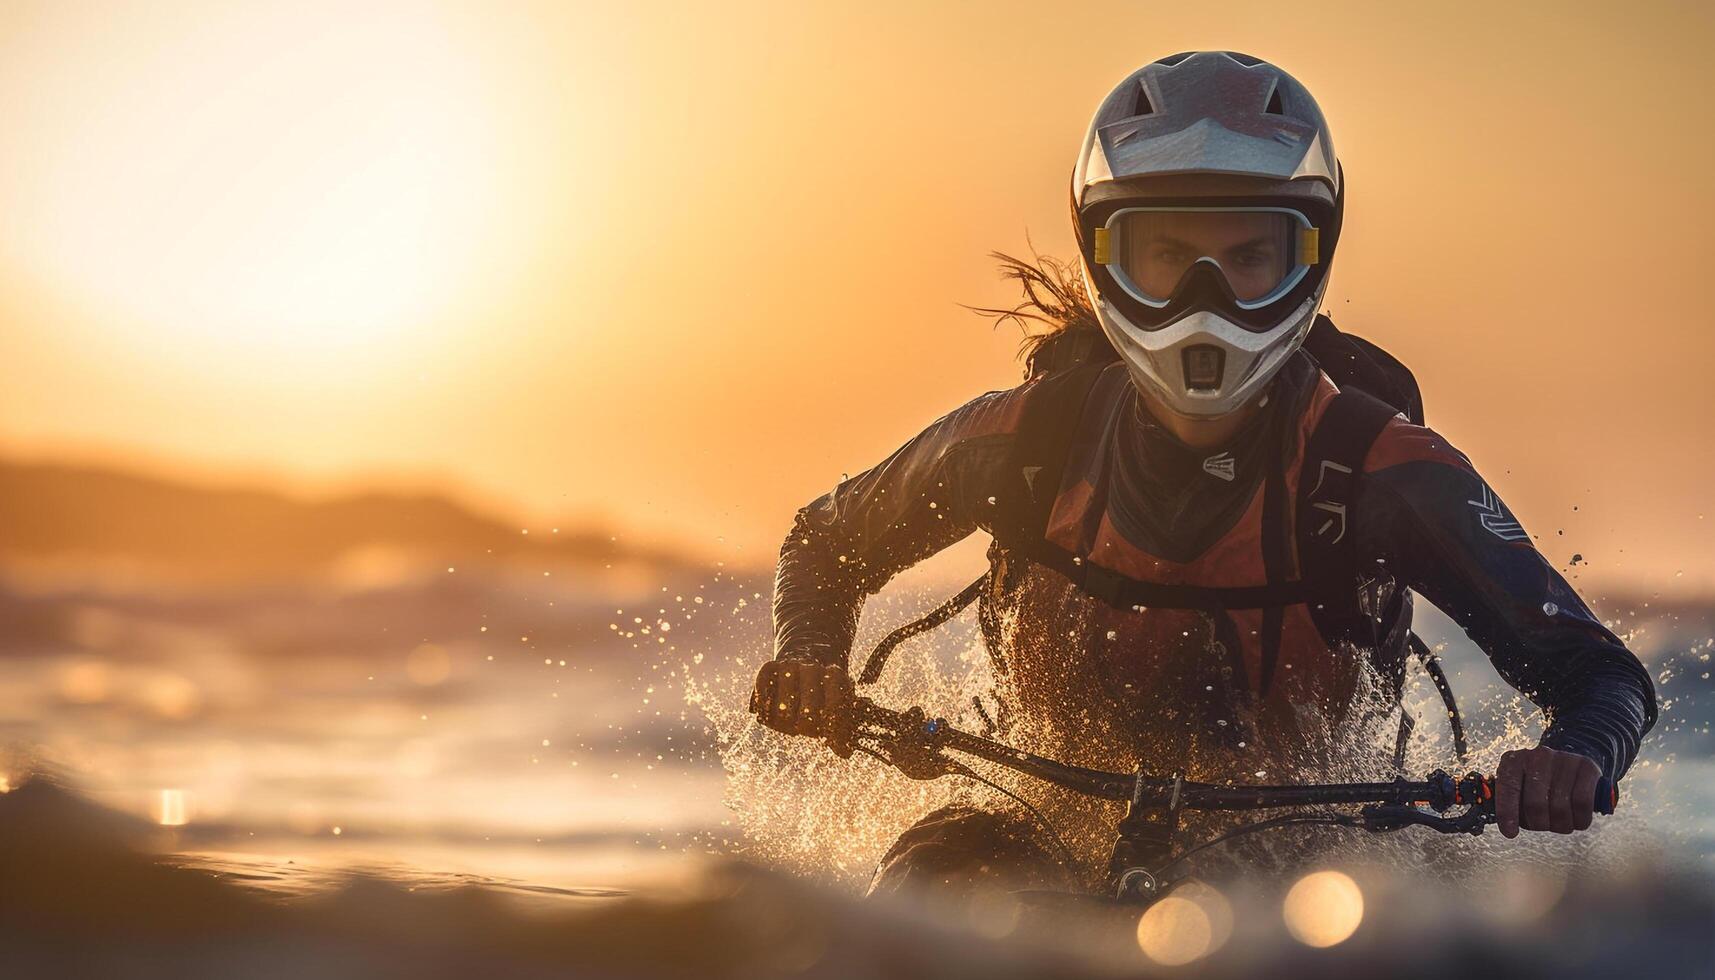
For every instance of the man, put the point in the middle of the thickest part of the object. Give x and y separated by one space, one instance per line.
1204 548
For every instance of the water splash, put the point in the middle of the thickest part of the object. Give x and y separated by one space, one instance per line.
800 808
805 810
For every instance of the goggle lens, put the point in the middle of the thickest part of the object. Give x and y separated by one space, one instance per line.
1258 251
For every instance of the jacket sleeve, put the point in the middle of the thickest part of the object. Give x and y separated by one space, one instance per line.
845 545
1443 531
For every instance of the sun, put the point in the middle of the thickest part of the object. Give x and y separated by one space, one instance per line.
279 179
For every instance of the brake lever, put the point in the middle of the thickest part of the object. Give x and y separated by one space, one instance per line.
1382 818
1476 792
909 743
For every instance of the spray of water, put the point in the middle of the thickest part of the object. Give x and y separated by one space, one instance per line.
802 809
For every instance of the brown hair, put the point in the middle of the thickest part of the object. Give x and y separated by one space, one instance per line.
1066 329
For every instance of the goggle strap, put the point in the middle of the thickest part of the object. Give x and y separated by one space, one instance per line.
1103 246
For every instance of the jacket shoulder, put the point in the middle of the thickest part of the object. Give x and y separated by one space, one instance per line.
1402 442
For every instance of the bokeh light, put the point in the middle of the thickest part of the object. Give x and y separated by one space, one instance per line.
1324 908
1214 905
1175 931
170 809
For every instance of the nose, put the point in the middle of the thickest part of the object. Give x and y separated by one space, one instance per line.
1205 278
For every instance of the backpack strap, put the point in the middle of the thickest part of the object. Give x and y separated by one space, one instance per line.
1039 453
1333 456
1125 592
1333 459
1354 362
1037 468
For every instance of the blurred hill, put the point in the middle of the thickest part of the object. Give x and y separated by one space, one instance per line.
69 519
104 562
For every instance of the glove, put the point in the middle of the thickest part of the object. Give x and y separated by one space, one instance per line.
803 698
1545 789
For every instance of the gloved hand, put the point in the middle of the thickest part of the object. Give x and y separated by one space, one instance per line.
1545 789
801 698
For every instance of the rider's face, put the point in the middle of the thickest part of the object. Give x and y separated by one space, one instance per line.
1248 246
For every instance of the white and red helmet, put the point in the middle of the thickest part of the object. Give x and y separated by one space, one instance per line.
1207 199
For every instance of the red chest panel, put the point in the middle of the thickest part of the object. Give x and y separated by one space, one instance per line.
1168 673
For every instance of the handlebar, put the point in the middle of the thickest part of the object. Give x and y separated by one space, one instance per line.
915 743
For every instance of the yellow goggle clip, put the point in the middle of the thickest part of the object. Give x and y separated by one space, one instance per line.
1309 246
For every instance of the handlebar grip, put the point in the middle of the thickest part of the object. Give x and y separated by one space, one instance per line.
1607 795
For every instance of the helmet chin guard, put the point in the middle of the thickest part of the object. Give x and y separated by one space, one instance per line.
1186 166
1164 362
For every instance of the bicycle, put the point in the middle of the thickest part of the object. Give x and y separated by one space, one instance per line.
1143 854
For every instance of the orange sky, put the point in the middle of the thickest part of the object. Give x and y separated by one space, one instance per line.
681 268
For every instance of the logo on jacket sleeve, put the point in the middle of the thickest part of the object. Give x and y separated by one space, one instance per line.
1220 465
1495 519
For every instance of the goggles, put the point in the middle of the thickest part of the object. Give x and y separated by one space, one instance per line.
1260 253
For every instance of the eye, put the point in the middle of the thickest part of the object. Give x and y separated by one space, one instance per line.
1253 258
1169 254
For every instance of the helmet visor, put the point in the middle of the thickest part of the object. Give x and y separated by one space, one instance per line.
1260 252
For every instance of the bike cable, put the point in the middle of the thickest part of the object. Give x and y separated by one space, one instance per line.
1287 820
960 769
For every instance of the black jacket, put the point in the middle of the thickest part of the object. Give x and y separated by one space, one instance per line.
1092 680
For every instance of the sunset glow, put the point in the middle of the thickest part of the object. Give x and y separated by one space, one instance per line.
242 182
403 406
560 261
